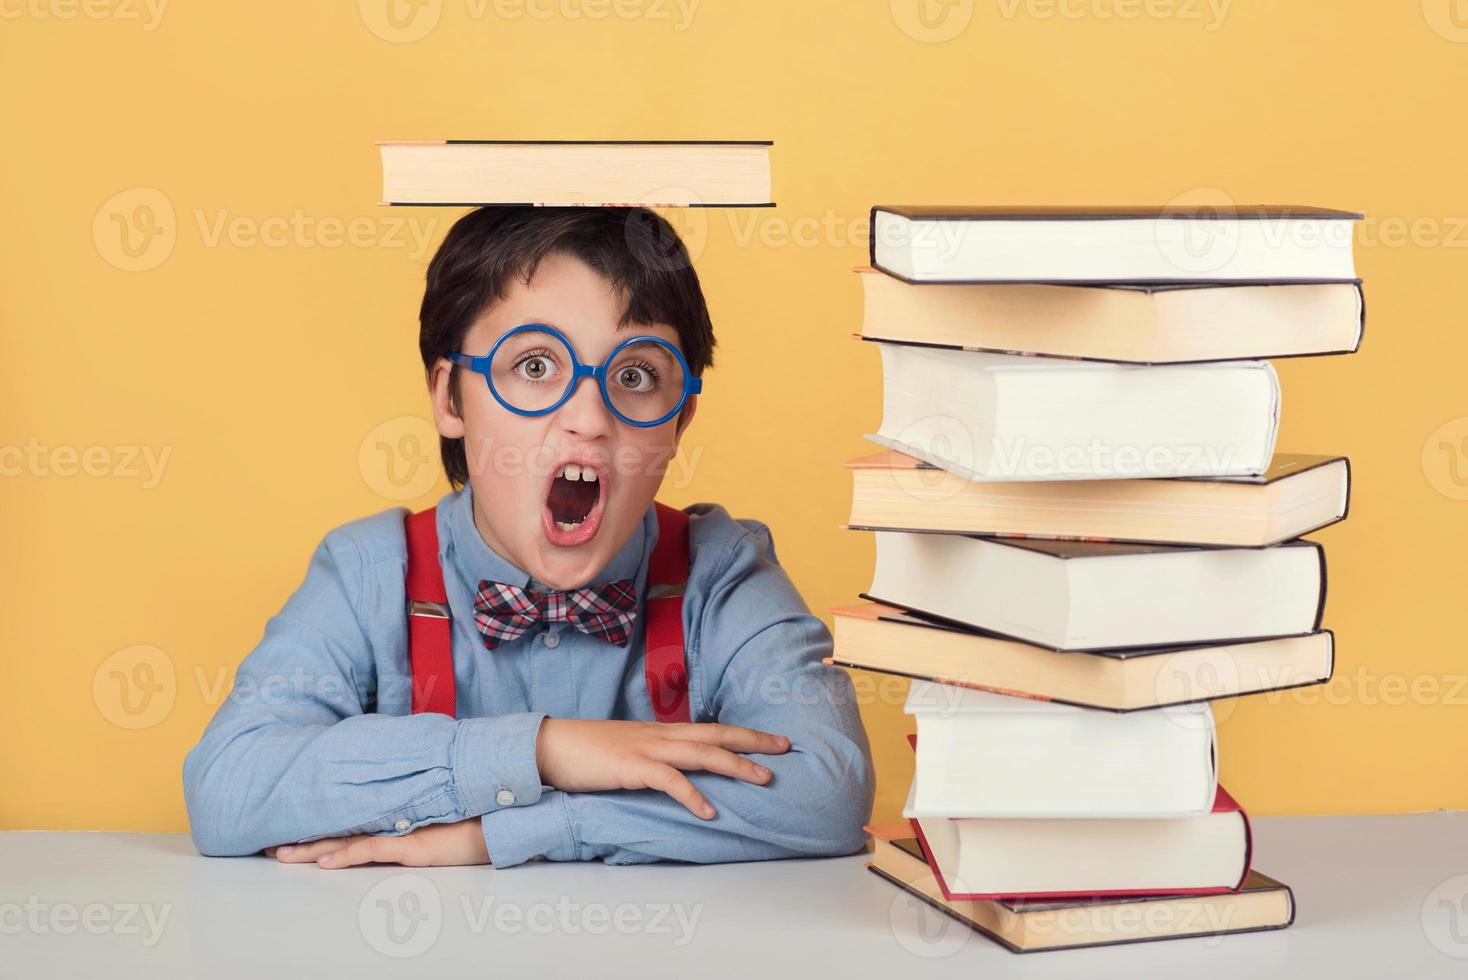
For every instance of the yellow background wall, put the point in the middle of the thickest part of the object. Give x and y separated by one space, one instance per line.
259 359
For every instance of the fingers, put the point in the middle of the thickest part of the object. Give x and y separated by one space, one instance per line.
668 780
308 853
710 758
366 850
731 737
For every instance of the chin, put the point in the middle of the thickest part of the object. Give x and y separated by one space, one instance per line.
564 572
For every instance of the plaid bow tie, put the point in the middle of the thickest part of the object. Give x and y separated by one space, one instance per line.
505 612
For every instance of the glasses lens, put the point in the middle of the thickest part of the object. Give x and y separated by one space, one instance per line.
531 370
645 381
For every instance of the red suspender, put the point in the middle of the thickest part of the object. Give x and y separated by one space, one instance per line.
667 573
430 641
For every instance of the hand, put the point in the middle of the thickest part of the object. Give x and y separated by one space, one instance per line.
582 755
434 846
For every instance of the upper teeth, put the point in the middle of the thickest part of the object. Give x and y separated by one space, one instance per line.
575 472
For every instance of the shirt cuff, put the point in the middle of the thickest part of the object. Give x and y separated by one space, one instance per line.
494 762
519 834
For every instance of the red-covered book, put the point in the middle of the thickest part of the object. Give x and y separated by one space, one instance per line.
1008 858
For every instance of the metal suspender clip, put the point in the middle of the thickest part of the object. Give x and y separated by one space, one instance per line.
432 610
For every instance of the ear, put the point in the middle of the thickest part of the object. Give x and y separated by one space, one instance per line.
446 416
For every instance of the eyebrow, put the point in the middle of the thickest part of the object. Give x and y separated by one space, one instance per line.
620 327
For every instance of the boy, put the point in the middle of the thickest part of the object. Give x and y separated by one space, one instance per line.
340 745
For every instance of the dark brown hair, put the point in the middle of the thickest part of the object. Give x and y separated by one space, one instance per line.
634 249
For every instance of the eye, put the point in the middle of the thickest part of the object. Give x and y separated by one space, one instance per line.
637 377
535 366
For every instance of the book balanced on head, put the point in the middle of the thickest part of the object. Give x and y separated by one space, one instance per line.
577 173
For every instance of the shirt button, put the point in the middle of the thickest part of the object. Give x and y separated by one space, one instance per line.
551 639
402 826
505 797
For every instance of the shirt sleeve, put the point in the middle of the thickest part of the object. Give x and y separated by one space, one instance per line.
758 665
293 754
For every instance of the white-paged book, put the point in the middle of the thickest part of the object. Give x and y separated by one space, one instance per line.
1113 245
991 755
977 858
1093 595
1012 417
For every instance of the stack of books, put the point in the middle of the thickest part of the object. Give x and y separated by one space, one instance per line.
1084 536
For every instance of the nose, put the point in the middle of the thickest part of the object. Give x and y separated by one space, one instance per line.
585 414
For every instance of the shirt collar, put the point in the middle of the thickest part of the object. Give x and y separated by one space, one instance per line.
476 561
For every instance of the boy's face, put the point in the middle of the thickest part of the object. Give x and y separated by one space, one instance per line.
517 463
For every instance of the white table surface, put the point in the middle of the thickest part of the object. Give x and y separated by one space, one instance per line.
1378 897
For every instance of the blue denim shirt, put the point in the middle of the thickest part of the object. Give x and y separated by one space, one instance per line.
317 740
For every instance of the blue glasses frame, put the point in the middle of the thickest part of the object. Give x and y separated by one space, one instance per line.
579 371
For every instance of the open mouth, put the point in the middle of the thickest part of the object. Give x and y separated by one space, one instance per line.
573 505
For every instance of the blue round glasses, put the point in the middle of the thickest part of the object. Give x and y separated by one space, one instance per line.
533 369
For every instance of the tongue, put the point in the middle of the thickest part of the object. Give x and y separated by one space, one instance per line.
571 500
